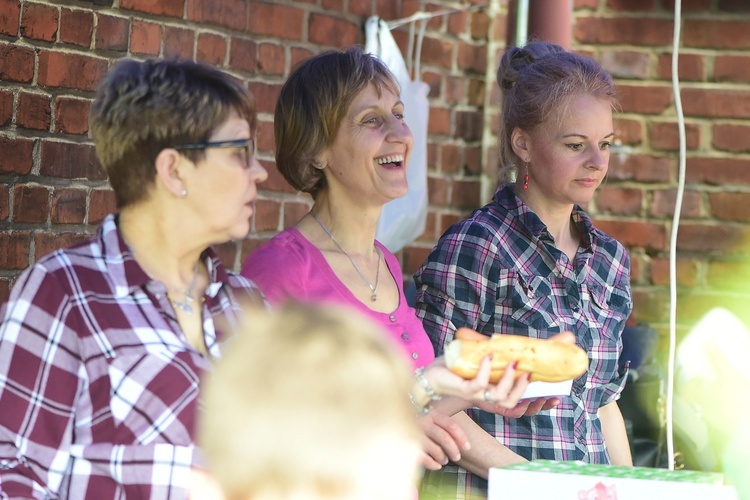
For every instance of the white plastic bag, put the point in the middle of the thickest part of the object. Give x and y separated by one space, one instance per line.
403 219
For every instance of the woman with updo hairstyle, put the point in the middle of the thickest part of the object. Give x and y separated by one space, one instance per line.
531 263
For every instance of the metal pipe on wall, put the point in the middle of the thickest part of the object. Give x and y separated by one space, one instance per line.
550 21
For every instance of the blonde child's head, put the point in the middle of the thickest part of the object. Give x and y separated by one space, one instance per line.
310 402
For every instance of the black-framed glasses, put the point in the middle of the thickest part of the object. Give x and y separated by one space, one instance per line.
245 146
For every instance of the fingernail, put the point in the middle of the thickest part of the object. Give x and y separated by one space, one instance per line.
528 376
445 462
514 365
456 458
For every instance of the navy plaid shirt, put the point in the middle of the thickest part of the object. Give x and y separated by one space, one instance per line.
499 272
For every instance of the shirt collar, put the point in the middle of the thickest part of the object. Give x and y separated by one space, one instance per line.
128 275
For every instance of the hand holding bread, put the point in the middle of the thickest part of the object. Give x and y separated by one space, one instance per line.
547 360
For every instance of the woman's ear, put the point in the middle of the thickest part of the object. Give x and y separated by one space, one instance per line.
168 171
521 144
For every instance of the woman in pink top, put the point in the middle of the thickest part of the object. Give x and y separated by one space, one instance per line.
341 136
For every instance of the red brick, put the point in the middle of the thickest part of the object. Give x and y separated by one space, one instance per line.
663 204
631 5
172 8
71 115
266 95
473 160
4 290
267 215
10 11
435 81
46 243
68 206
437 52
430 234
250 244
293 212
299 54
731 137
714 33
480 24
469 125
227 253
101 203
112 33
266 142
450 158
731 68
734 207
34 111
457 22
710 238
333 31
690 67
665 136
687 271
437 191
455 89
271 59
276 20
716 103
623 31
476 92
6 107
620 201
649 306
362 8
472 58
432 157
4 202
447 220
76 27
230 14
243 55
70 161
689 5
440 121
275 181
145 38
178 42
466 194
30 204
73 71
16 247
39 22
626 63
413 259
16 63
629 131
641 168
16 156
386 9
212 49
499 28
717 171
646 99
636 234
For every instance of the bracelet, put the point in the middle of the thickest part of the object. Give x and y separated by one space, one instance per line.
419 374
421 410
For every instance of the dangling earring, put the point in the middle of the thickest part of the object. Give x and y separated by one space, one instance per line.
526 176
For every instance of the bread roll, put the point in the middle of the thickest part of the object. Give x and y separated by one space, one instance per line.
547 360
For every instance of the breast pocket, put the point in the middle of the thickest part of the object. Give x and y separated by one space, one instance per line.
525 304
153 396
610 306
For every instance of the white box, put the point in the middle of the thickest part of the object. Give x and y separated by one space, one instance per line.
547 389
547 479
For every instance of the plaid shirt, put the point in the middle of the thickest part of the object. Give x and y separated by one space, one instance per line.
98 386
499 272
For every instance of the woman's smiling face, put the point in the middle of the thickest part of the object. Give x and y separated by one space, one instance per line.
369 155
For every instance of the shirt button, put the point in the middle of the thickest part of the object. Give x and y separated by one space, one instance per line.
414 355
392 318
405 336
576 309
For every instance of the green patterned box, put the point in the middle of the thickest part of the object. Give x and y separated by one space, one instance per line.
547 479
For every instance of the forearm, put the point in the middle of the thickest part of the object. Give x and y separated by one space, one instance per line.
486 452
615 436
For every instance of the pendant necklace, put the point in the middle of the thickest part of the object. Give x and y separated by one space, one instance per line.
184 305
373 288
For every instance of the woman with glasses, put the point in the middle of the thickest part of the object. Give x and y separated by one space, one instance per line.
102 345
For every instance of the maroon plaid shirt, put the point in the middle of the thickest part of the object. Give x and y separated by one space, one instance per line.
98 385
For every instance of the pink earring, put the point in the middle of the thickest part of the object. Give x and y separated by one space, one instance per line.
526 177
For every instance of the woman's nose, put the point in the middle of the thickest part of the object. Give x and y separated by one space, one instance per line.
257 172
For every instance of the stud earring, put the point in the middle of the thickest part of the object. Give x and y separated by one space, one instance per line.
319 165
183 193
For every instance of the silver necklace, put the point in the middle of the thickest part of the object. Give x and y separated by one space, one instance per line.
184 305
373 288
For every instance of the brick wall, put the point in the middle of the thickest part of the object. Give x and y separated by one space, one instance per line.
52 54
